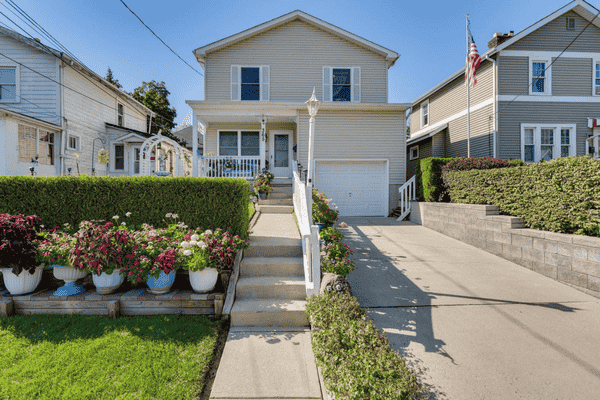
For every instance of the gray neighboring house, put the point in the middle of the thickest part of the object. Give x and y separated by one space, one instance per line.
517 112
185 133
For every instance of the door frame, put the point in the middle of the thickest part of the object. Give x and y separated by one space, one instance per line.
290 135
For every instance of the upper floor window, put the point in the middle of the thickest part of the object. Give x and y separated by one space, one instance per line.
250 83
414 152
597 77
425 114
570 23
540 77
341 84
120 114
547 141
8 84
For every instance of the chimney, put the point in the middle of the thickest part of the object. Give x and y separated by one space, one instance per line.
499 38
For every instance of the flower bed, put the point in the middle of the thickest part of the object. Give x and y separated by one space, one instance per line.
336 258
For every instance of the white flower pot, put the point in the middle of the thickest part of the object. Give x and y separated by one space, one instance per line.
24 282
106 284
204 281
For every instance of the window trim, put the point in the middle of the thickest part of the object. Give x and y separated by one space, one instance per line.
78 137
239 141
595 61
355 87
569 19
17 68
557 144
410 150
113 160
132 159
264 85
426 102
122 124
548 78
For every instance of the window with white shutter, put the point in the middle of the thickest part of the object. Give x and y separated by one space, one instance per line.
235 83
250 83
327 84
264 83
356 84
341 84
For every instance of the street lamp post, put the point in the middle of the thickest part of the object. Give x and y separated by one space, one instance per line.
313 106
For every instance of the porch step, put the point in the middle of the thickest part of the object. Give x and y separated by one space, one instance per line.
282 189
271 266
269 312
268 209
267 246
271 287
276 202
281 181
280 195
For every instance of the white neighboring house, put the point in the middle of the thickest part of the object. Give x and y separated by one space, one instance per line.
256 85
54 107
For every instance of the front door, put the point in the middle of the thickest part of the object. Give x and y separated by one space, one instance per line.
280 150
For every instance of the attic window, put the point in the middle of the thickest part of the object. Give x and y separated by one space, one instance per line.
570 23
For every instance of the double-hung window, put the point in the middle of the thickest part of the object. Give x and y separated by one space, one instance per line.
119 159
239 143
596 77
425 114
547 141
120 114
250 83
9 84
341 84
539 73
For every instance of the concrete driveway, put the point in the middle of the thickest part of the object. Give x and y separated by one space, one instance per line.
478 326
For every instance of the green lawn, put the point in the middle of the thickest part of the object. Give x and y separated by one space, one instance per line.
93 357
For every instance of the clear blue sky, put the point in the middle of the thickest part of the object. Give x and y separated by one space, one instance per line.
428 35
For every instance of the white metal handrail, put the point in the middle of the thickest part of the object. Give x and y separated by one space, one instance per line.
302 196
407 194
229 166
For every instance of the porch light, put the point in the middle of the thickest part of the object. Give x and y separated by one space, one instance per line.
313 104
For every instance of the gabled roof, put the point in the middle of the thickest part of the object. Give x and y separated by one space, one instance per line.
73 63
201 52
581 7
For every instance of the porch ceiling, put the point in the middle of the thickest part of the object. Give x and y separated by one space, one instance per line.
212 117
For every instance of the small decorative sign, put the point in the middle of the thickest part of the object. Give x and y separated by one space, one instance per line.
103 156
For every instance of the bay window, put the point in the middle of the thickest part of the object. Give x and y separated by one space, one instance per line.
547 141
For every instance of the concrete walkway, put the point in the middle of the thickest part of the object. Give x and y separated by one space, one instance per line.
275 361
480 327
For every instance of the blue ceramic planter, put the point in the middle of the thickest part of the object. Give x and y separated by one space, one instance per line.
161 285
320 225
69 275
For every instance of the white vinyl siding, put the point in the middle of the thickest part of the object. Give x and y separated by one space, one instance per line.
296 53
238 84
338 80
547 141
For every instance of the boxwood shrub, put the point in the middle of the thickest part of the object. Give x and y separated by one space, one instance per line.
562 195
429 178
356 359
199 202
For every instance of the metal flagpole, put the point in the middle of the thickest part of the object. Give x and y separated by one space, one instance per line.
468 93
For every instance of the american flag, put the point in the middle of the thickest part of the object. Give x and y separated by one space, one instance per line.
473 60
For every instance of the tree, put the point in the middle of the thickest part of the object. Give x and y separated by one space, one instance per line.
154 96
109 77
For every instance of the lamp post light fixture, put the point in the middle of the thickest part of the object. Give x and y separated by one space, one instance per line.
313 106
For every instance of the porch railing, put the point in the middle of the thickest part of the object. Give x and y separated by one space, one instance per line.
309 233
229 166
407 194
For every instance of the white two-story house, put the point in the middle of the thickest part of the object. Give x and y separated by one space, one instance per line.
56 109
537 95
254 112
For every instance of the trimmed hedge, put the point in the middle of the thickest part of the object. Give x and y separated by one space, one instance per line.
355 357
467 164
199 202
562 195
429 178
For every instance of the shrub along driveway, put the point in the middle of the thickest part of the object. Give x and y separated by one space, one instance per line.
481 327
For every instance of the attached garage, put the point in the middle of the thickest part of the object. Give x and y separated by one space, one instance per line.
357 187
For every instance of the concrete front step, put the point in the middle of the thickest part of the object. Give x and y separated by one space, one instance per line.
281 182
282 189
271 287
280 195
267 246
269 312
271 266
276 202
268 209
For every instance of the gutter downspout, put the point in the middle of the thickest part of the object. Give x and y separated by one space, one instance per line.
494 104
63 136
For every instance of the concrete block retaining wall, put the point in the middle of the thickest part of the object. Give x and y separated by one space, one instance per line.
571 259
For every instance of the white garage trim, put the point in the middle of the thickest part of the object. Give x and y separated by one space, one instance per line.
386 183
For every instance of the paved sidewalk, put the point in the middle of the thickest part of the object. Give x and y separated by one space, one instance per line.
480 326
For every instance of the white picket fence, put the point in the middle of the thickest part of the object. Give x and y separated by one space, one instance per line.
229 166
309 233
407 194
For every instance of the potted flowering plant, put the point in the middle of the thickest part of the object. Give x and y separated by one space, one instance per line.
262 185
18 252
195 258
222 249
105 250
322 214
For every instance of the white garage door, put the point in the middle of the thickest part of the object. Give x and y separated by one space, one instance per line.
359 188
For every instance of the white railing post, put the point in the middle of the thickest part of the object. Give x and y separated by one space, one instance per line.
315 261
407 194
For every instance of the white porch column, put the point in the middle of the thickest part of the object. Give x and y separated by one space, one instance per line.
263 139
194 145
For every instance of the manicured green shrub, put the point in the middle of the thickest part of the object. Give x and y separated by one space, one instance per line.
562 195
429 178
355 357
467 164
516 163
199 202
